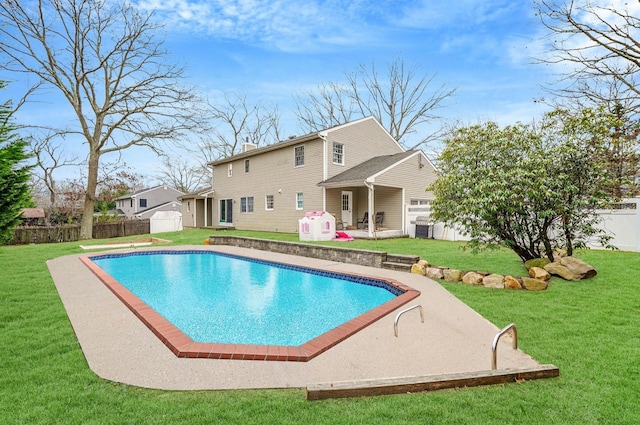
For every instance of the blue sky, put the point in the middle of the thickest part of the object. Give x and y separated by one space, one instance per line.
271 50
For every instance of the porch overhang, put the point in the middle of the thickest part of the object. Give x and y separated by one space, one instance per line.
198 195
342 184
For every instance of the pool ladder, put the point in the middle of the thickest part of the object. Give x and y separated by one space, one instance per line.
494 346
395 322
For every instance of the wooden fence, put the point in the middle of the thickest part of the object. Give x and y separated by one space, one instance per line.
71 233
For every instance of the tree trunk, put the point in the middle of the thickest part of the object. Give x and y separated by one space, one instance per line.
86 226
568 236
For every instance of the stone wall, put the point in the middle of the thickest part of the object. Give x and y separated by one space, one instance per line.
345 255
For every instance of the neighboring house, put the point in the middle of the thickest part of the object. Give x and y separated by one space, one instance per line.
143 203
346 170
32 217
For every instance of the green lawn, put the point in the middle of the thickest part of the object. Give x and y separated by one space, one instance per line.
589 329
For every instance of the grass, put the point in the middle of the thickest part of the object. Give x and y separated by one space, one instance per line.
589 329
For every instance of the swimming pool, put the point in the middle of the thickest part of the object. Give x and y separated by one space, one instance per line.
237 307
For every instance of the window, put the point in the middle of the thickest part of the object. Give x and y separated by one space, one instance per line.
143 203
188 206
338 153
420 202
230 170
131 203
299 156
299 201
246 165
268 202
246 204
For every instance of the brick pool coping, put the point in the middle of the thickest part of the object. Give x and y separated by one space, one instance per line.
182 345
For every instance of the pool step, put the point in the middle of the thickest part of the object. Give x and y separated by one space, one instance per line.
400 262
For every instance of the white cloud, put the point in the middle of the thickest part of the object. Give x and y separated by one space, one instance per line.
287 25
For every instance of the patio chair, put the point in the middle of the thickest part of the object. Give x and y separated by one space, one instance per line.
378 221
379 217
339 222
364 222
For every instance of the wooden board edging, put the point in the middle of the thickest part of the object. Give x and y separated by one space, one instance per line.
412 384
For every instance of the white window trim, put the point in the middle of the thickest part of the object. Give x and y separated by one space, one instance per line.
298 207
333 153
247 166
294 156
266 202
230 170
246 199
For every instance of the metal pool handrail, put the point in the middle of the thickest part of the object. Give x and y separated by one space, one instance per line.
494 346
395 322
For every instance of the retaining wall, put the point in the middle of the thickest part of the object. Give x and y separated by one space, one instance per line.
344 255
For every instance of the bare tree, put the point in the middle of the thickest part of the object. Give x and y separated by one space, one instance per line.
330 105
50 157
599 48
107 62
401 99
183 175
236 121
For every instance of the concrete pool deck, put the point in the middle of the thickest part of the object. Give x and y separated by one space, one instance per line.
453 341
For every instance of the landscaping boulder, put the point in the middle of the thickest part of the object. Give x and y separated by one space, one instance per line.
472 278
452 275
564 272
559 253
434 273
539 273
493 281
532 284
571 268
511 282
536 262
418 268
577 265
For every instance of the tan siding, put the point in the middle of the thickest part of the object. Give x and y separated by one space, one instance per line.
272 173
362 141
362 202
410 176
389 201
334 197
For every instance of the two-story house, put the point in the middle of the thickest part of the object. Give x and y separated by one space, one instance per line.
144 203
347 170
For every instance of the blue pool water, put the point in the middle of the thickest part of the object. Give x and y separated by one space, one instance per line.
215 297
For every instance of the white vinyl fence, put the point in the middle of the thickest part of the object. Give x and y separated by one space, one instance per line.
622 221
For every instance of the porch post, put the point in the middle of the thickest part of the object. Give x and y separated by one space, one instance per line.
195 211
371 206
205 210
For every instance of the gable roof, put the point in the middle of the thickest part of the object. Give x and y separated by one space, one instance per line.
157 207
370 168
32 213
140 191
200 193
317 135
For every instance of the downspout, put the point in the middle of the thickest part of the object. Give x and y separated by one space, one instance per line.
370 206
325 169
